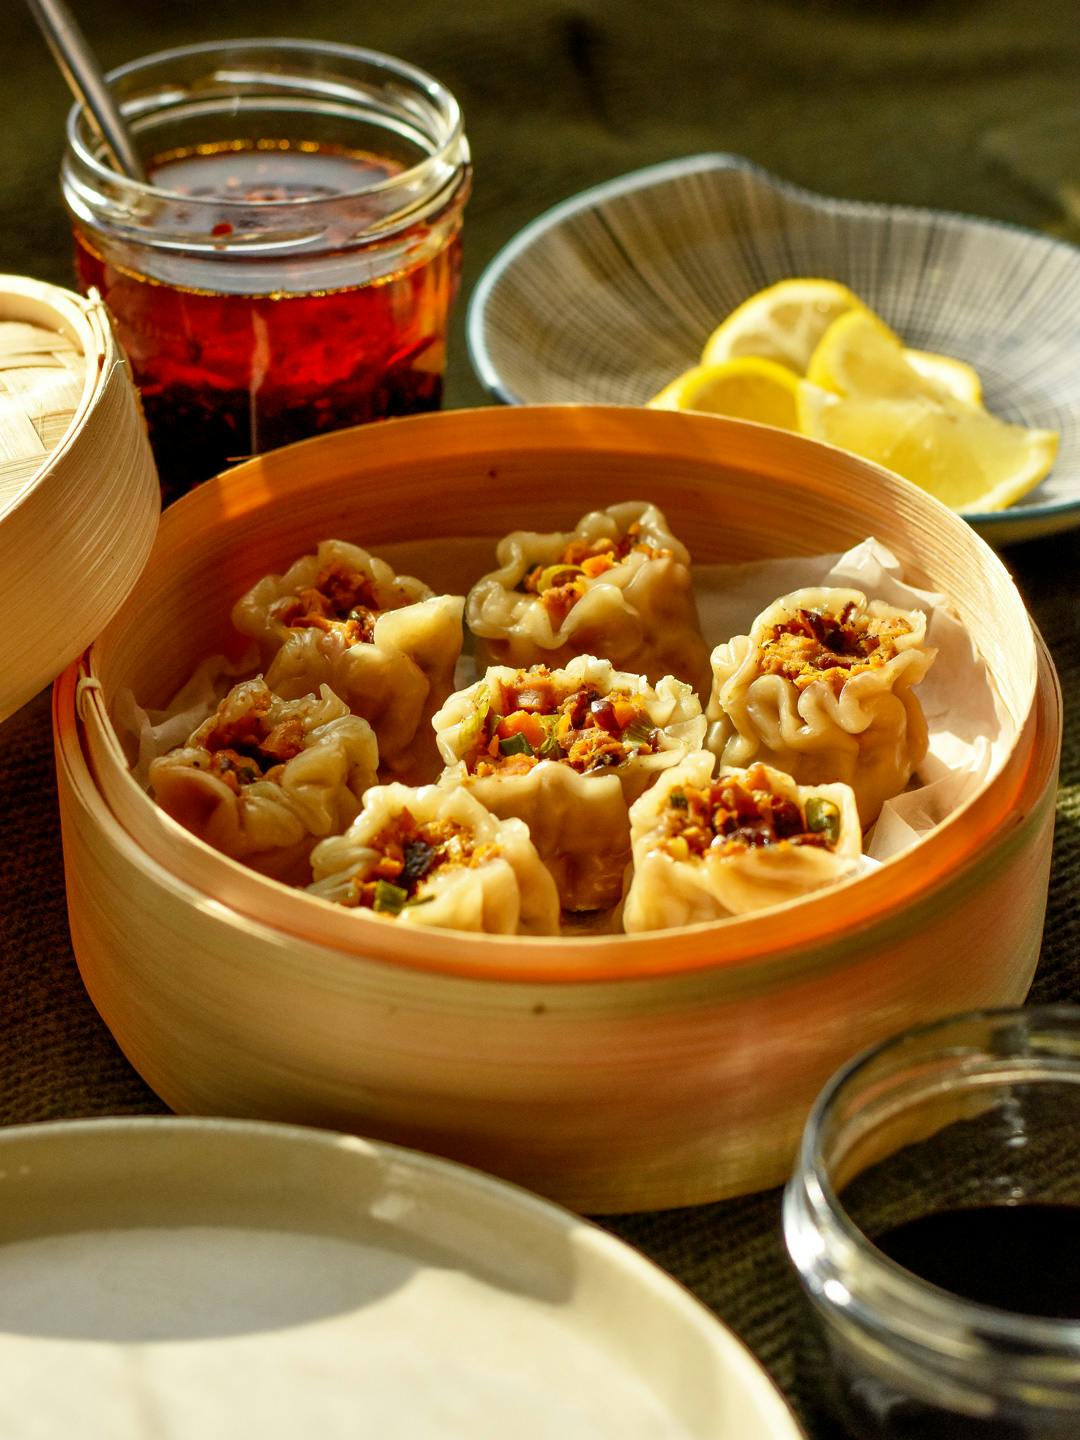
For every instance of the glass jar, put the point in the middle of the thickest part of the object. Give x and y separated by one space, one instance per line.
930 1148
289 264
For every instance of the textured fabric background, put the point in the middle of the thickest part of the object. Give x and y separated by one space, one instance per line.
969 106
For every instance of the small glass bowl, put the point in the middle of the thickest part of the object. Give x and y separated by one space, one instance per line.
973 1111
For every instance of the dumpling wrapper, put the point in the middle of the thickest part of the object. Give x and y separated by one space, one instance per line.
396 680
271 824
641 614
146 734
509 892
666 891
578 822
870 733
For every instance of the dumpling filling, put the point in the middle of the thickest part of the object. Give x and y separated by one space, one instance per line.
342 598
529 720
561 585
815 645
243 742
408 853
707 847
728 817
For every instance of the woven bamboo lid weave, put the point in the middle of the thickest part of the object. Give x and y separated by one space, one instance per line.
78 489
42 375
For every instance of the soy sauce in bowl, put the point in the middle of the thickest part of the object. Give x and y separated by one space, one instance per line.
934 1220
1024 1258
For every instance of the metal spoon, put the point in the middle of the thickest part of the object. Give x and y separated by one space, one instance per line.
87 83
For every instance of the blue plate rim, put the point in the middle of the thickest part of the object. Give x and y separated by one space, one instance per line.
487 374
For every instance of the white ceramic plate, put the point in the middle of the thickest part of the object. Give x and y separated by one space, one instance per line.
611 294
195 1279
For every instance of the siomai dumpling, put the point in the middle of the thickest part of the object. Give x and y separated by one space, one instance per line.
436 856
618 585
263 779
823 688
383 642
568 751
706 848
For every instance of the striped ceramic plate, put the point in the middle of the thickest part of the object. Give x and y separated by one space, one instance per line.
612 293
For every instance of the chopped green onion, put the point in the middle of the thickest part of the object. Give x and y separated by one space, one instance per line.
472 728
639 733
554 575
551 744
389 899
418 900
515 745
678 801
823 818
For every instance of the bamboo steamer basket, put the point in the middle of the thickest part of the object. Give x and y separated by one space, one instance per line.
612 1073
78 489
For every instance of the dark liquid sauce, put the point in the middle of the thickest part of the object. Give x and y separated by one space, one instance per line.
226 375
1016 1257
1020 1258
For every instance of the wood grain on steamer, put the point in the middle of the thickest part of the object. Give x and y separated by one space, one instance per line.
612 1072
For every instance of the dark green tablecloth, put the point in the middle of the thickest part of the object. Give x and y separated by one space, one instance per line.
969 106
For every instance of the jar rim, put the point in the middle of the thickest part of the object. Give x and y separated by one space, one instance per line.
812 1202
451 138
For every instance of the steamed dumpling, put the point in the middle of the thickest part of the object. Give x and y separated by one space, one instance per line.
617 586
436 856
264 778
383 642
568 751
822 688
706 848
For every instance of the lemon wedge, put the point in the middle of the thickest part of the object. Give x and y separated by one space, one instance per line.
968 458
860 355
783 323
956 377
747 389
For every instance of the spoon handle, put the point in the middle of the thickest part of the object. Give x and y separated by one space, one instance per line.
87 83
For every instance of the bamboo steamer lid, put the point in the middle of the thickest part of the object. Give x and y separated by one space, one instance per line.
79 496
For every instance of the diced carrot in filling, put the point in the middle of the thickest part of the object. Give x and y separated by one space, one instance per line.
529 720
562 583
814 645
728 818
409 852
523 722
244 747
342 599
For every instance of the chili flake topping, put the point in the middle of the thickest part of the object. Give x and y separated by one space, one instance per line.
532 720
814 645
342 598
244 746
562 584
728 817
409 851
